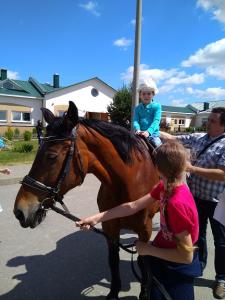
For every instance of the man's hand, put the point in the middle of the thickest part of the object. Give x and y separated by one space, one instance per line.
5 171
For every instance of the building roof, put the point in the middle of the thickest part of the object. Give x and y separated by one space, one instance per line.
23 88
93 78
178 109
32 88
200 105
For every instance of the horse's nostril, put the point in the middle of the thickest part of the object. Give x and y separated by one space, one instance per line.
19 215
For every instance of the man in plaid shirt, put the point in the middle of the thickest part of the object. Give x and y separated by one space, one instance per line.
206 182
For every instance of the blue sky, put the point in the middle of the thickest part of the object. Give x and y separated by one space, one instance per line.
183 44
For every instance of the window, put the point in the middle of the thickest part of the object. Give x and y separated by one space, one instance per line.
18 116
3 115
61 113
181 121
94 92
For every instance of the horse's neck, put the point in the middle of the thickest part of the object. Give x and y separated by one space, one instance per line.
103 160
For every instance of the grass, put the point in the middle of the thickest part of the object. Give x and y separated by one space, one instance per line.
10 157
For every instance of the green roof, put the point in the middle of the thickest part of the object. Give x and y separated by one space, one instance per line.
26 89
32 88
177 109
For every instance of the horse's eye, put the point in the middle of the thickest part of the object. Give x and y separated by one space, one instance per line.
51 156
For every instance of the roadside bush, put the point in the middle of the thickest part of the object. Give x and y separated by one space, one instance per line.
27 135
16 133
9 133
200 129
190 129
34 132
24 148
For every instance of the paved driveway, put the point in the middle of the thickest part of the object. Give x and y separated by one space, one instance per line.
57 261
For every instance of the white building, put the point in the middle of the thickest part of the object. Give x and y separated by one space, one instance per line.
20 101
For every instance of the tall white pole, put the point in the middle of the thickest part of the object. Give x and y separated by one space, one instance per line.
137 51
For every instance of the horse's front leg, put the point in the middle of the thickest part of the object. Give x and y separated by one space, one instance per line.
144 265
114 259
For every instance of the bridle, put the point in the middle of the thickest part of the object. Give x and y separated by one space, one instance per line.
54 193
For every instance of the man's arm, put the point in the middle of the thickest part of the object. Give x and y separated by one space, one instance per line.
211 174
167 136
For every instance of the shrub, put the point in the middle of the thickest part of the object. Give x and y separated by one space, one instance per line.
16 133
9 133
120 109
34 131
24 148
27 135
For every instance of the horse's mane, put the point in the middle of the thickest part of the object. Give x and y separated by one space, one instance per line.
123 140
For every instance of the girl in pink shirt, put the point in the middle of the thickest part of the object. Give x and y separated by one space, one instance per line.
172 256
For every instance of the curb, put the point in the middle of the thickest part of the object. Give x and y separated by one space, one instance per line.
10 181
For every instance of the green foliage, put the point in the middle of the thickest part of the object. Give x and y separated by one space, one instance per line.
120 109
9 133
34 131
16 133
200 129
27 135
26 148
23 148
190 129
9 157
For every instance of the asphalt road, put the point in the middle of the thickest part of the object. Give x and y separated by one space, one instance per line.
58 261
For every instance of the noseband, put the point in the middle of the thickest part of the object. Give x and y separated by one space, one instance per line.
54 193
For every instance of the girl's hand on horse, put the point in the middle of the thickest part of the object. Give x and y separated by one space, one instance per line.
143 248
87 223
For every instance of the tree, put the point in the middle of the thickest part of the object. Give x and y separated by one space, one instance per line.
120 109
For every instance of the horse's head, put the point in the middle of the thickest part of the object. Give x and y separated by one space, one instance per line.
57 168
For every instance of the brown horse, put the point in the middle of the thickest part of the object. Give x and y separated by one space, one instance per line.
74 147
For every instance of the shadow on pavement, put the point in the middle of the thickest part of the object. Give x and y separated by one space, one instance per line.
69 272
204 282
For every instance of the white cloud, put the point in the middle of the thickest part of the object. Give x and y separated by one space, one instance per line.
183 78
169 79
216 71
217 7
91 6
212 55
215 93
178 102
13 74
146 73
123 43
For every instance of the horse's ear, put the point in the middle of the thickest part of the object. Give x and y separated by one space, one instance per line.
48 115
71 118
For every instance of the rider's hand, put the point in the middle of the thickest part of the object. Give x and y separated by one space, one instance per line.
137 132
145 133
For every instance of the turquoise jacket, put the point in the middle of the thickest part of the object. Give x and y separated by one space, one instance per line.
147 118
